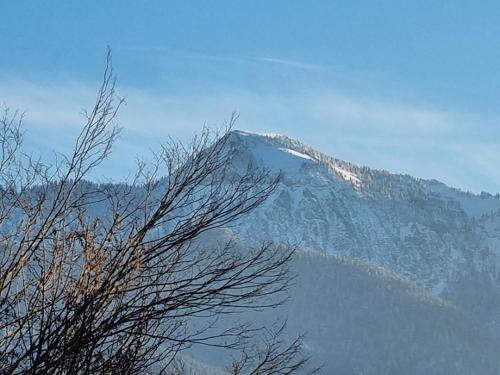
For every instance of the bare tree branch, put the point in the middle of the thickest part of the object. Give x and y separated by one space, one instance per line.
110 278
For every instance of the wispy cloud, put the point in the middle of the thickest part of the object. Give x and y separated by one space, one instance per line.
290 63
222 58
399 136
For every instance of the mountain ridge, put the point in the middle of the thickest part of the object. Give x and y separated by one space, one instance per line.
323 157
421 229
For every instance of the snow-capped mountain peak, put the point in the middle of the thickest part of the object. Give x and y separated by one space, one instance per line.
421 229
281 153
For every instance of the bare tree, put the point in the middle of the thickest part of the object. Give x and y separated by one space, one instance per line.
116 278
272 356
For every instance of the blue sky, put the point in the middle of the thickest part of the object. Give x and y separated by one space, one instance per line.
408 86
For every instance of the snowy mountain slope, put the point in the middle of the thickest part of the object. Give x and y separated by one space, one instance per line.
422 230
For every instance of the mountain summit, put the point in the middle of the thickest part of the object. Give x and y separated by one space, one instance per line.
422 230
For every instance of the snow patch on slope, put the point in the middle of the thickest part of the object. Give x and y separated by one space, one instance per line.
296 153
348 176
